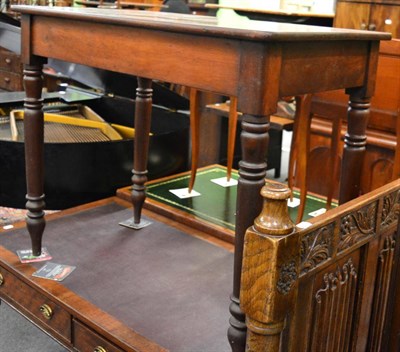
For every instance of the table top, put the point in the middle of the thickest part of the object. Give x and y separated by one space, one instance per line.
204 25
160 44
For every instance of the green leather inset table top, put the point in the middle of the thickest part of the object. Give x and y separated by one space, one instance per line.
216 204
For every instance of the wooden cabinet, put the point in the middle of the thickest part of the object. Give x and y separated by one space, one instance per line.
378 15
10 71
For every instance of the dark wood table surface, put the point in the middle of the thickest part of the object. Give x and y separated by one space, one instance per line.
258 62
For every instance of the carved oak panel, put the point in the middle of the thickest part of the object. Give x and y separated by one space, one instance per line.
381 293
316 248
357 226
390 209
333 307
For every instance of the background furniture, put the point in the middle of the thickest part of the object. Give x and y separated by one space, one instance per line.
300 17
278 125
10 71
10 49
382 151
382 15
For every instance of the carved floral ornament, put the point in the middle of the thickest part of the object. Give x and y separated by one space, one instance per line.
357 226
316 248
390 209
287 277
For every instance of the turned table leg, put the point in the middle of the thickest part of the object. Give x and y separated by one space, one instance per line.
34 155
252 172
354 149
143 108
195 111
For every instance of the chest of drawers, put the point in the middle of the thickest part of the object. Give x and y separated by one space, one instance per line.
10 71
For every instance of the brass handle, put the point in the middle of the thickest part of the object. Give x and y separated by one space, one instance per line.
99 349
46 311
8 61
1 279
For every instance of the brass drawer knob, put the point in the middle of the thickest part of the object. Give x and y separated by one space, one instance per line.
8 60
99 349
46 311
1 279
7 79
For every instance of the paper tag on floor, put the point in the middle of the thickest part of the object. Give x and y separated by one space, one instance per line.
223 181
183 193
317 212
293 203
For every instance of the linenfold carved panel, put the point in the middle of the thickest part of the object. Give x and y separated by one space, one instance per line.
390 209
333 309
316 248
382 285
357 226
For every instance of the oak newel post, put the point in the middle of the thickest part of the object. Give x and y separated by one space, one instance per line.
270 271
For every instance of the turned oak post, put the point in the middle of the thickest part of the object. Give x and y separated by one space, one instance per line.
252 172
34 154
144 94
270 271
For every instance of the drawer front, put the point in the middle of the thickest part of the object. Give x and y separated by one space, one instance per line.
10 61
86 340
35 306
10 81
